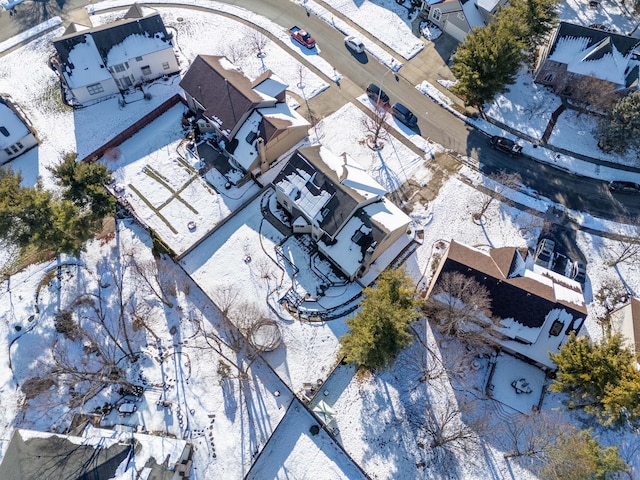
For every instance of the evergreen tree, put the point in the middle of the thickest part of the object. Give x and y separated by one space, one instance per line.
600 378
486 62
84 185
578 456
380 329
620 129
531 20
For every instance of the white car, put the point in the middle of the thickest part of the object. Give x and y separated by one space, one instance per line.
354 44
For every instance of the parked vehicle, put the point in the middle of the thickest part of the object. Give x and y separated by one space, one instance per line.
376 94
404 115
579 272
624 187
302 37
506 145
354 44
544 255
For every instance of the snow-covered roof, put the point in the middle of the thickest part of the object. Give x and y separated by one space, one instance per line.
471 13
12 128
136 46
103 453
84 66
594 52
387 214
351 174
346 252
487 5
272 86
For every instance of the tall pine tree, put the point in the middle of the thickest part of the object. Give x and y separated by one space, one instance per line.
600 378
380 329
619 131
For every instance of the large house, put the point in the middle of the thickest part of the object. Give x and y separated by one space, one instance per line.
608 61
332 198
251 118
537 308
96 62
459 17
96 453
16 133
626 321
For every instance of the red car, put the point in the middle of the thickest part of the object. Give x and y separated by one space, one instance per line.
302 37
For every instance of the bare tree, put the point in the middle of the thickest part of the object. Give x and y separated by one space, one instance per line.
445 426
235 52
375 128
623 252
461 307
225 296
530 435
154 275
257 40
498 183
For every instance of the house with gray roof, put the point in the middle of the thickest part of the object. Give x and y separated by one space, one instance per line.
251 118
536 308
332 198
97 62
459 17
575 54
16 133
98 453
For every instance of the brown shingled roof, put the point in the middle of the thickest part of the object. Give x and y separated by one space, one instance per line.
224 93
524 299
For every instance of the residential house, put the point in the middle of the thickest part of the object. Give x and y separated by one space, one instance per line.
608 61
98 453
251 118
459 17
96 62
537 308
333 199
626 321
16 133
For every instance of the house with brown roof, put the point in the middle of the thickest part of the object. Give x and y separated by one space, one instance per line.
251 118
16 133
332 198
537 308
97 62
626 321
575 54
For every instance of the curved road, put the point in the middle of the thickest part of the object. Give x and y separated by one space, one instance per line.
574 192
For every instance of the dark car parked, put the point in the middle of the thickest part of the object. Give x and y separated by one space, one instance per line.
404 115
624 187
506 145
376 94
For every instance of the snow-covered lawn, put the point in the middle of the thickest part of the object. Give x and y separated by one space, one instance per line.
158 176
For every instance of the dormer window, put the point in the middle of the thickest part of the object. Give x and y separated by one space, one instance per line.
4 131
437 14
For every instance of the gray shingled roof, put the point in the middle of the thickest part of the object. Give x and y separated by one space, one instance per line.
107 36
623 43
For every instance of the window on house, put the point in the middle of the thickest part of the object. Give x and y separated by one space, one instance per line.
437 14
165 65
8 152
548 77
15 149
138 59
119 68
4 131
19 145
95 88
146 70
556 328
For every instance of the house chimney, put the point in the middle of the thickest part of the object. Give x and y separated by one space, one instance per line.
262 155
